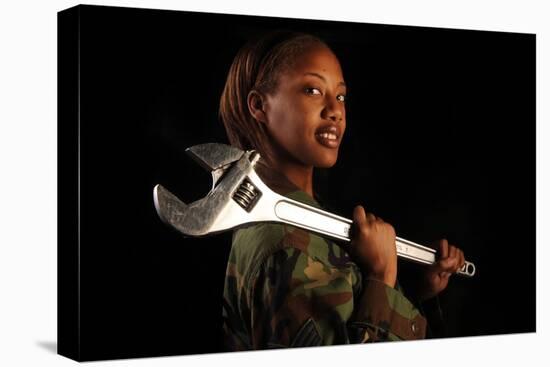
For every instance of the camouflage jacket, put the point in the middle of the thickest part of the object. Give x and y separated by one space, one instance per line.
286 287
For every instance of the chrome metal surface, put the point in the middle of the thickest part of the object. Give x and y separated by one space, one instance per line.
239 197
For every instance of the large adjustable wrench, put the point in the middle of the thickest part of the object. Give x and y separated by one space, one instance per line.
239 197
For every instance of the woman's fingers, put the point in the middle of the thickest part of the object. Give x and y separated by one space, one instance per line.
371 217
443 248
363 217
451 258
446 265
452 251
462 260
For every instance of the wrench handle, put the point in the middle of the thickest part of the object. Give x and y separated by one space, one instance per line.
313 219
324 223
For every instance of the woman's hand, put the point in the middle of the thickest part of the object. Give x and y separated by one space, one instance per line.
436 277
373 246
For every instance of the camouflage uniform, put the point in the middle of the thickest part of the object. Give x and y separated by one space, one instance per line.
286 287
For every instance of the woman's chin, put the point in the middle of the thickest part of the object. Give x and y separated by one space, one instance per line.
327 161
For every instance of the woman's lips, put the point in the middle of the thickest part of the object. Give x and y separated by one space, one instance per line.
328 136
329 140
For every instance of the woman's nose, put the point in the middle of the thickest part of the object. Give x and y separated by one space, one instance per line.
334 110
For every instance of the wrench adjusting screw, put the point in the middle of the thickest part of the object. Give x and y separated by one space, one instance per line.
246 195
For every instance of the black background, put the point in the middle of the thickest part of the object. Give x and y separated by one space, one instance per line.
440 142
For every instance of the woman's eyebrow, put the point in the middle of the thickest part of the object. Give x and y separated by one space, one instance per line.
322 78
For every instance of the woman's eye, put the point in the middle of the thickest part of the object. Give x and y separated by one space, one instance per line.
341 98
313 91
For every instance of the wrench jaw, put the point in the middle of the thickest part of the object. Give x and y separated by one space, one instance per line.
214 156
218 211
197 219
172 211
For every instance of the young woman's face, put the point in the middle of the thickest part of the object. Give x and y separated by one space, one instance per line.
306 116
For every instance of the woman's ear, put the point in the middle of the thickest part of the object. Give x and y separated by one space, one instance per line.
256 106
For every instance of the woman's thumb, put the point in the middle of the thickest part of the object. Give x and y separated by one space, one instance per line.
359 215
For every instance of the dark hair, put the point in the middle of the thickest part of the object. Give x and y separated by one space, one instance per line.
257 66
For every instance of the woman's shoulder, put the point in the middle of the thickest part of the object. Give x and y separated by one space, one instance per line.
255 244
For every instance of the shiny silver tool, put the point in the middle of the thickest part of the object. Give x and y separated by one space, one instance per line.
239 197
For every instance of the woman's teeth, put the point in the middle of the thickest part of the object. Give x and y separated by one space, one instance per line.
328 140
328 136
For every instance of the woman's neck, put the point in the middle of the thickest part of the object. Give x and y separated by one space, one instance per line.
299 175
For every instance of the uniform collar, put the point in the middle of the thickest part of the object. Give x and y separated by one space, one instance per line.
282 185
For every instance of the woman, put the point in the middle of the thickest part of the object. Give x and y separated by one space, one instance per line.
285 97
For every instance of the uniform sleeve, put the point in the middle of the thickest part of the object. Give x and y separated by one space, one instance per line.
432 311
383 314
297 300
